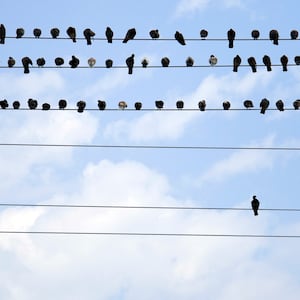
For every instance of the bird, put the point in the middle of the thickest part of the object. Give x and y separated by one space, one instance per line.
230 37
189 61
71 32
284 61
274 36
294 34
159 104
144 63
297 60
122 105
20 32
11 62
296 104
32 103
255 205
280 105
74 62
101 105
267 62
165 61
108 63
62 104
179 38
213 60
226 105
252 63
54 32
154 33
264 104
202 105
236 63
16 104
88 34
255 34
91 62
37 32
109 34
46 106
130 63
2 34
138 105
41 61
248 104
180 104
203 34
131 33
3 104
26 61
59 61
81 106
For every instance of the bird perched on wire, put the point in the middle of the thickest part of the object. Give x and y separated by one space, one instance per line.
3 104
26 61
202 105
16 104
252 63
274 36
32 103
296 104
37 32
41 61
165 61
226 105
11 62
284 61
71 32
159 104
280 105
109 63
88 34
248 104
46 106
101 104
81 106
255 205
144 63
59 61
54 32
130 35
203 34
255 34
230 37
74 62
294 34
62 104
189 61
297 60
130 63
109 34
179 104
236 63
138 105
179 38
122 105
19 32
264 104
213 60
267 62
154 33
91 62
2 34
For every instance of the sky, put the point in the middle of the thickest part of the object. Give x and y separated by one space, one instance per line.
114 267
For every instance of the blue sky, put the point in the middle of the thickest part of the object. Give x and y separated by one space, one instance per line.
119 267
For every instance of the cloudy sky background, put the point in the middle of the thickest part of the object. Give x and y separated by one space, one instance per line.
130 267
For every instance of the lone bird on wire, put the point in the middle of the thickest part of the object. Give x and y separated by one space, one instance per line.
255 205
231 37
130 35
179 38
109 34
130 63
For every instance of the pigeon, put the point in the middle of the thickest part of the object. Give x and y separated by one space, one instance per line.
231 37
280 105
2 34
154 34
26 61
71 32
284 61
138 105
296 104
62 104
20 32
108 63
203 34
145 63
91 62
202 105
252 63
255 34
264 104
16 104
88 34
212 60
54 32
236 63
3 104
109 34
122 105
274 36
59 61
255 205
74 62
294 34
81 106
32 104
11 62
130 63
180 104
248 104
267 62
189 62
46 106
297 60
37 32
179 38
226 105
131 33
41 61
165 61
101 105
159 104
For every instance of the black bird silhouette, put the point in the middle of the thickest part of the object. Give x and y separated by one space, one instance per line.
202 105
88 34
252 63
54 32
71 32
3 104
280 105
267 62
255 34
154 33
226 105
101 104
109 34
62 104
189 62
130 63
203 34
231 37
11 62
26 61
32 104
179 38
20 32
138 105
46 106
165 61
236 63
108 63
297 60
180 104
159 104
284 61
59 61
248 104
264 104
81 106
37 32
41 61
145 63
255 205
274 36
16 104
296 104
294 34
131 33
2 34
74 62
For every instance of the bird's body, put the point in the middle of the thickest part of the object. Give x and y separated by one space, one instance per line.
71 32
274 36
62 104
26 61
154 33
2 34
213 60
130 35
37 32
138 105
230 37
16 104
189 62
284 61
109 34
91 62
19 32
267 62
130 63
165 61
159 104
54 32
46 106
41 61
59 61
81 106
226 105
255 34
74 62
264 104
255 205
11 62
203 34
202 105
296 104
180 104
88 34
236 63
145 63
101 104
248 104
109 63
252 63
122 105
280 105
294 34
32 103
297 60
179 38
